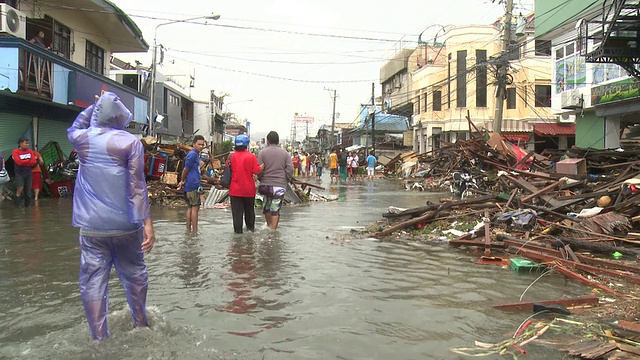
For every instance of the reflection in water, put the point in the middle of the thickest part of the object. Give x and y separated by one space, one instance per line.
242 265
189 265
214 295
254 276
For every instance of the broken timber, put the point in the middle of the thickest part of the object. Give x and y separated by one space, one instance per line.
433 213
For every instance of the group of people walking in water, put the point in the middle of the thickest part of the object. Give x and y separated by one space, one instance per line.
111 203
343 165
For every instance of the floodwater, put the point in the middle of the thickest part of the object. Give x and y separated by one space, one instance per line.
307 291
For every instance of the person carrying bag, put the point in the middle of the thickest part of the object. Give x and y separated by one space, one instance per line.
225 181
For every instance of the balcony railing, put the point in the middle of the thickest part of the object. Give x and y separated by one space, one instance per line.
36 74
40 73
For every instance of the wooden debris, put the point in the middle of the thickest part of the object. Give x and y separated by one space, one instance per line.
528 305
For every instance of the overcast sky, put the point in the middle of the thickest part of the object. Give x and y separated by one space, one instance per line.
283 54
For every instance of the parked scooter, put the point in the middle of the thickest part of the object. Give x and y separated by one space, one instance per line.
463 184
67 169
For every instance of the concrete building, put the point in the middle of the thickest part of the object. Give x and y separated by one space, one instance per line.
455 78
594 49
43 88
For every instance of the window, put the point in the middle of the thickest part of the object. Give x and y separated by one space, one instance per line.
417 105
425 102
543 95
437 100
61 40
131 81
449 81
174 100
511 98
481 78
461 79
570 68
94 58
436 137
543 48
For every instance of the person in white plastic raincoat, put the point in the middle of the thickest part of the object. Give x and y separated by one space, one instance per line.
111 208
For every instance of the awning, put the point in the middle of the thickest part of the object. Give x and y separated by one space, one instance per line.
516 136
554 129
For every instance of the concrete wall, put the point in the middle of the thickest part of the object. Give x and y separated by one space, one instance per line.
202 120
590 131
398 63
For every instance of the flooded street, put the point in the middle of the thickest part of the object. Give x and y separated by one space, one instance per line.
302 292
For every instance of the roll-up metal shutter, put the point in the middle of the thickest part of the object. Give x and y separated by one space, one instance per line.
54 130
12 128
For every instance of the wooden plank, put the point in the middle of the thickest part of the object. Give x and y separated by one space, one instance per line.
542 191
575 276
628 325
584 195
571 254
513 195
590 268
478 243
524 184
528 305
432 214
629 349
512 241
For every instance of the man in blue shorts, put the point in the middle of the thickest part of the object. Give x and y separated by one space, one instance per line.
277 172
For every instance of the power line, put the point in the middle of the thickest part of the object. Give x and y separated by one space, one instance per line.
272 76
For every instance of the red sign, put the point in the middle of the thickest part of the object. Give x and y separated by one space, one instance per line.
516 137
304 119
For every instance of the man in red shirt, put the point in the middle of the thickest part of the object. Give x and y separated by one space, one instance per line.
242 191
24 160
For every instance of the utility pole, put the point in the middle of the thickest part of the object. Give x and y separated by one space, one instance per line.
366 132
503 65
373 117
333 120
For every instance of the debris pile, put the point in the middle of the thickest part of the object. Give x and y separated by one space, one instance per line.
576 212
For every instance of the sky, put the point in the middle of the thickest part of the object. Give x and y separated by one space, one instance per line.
275 58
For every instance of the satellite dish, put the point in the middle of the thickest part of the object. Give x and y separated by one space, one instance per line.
13 20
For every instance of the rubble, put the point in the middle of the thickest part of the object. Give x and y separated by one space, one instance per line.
575 212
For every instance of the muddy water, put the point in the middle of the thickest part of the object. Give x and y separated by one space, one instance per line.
308 291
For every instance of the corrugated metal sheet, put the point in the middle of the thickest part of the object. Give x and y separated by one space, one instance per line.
554 129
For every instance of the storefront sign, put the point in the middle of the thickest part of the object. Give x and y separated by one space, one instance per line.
620 90
516 137
88 87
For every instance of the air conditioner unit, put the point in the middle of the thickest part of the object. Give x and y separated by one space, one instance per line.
567 119
571 100
13 21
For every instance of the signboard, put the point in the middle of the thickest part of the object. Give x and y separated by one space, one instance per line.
304 119
617 91
88 87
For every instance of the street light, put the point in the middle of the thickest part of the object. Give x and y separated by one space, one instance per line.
152 106
239 101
